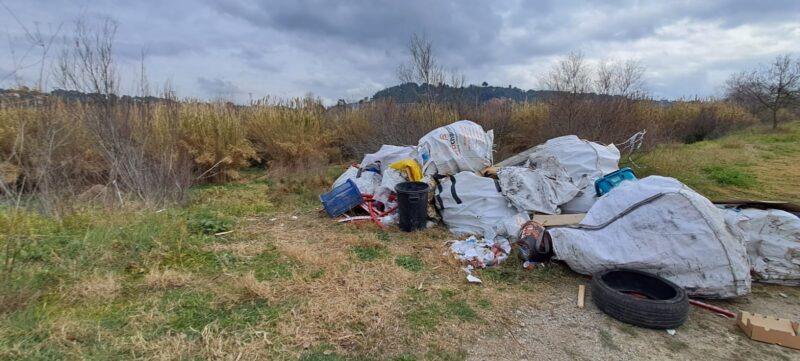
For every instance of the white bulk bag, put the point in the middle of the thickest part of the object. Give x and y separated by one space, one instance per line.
539 190
661 226
473 205
772 238
584 162
460 146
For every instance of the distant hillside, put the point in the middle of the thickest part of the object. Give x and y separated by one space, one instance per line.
411 93
17 96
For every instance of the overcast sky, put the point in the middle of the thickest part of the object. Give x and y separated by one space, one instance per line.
338 49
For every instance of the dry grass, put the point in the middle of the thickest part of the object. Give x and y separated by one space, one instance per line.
96 287
167 278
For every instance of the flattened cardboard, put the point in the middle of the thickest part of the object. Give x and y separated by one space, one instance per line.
769 329
548 220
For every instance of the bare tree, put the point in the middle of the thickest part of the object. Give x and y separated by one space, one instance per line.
87 61
424 69
770 88
571 75
35 38
575 109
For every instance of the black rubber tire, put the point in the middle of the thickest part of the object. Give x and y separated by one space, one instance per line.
666 305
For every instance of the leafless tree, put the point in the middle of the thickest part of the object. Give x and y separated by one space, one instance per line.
769 88
570 75
35 38
87 62
424 69
588 98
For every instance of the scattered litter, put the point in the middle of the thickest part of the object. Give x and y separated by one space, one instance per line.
470 277
671 332
769 329
581 295
783 294
481 253
294 218
717 310
532 244
223 233
606 183
273 219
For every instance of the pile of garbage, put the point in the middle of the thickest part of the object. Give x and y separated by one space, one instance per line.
655 224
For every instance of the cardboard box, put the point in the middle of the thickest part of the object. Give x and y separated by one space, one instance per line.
548 220
769 329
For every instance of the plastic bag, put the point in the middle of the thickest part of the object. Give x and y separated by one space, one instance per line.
460 146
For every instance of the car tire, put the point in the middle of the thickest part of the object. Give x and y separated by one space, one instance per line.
640 298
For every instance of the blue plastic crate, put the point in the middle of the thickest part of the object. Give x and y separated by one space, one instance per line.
342 198
613 179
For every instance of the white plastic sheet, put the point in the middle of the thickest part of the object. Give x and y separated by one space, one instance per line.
367 181
772 238
389 154
460 146
473 205
584 162
539 190
661 226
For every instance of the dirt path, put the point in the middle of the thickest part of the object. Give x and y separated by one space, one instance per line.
557 330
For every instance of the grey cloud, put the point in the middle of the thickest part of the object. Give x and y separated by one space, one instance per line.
337 49
218 88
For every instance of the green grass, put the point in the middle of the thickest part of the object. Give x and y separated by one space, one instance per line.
369 252
410 263
756 163
426 309
730 176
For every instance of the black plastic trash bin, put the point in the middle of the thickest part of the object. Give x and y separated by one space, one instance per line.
412 199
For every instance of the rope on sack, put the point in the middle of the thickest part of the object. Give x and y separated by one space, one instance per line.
633 144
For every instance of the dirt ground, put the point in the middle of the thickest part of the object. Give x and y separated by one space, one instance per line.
533 314
557 330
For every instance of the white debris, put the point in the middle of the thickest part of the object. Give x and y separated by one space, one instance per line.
481 253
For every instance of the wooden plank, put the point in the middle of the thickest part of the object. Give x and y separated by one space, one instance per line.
558 219
516 159
581 295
